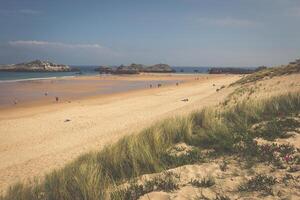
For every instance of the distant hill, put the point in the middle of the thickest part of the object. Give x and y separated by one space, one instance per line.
36 66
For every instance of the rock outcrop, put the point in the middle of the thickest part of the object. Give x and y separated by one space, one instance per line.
159 68
138 67
135 69
104 70
36 66
126 70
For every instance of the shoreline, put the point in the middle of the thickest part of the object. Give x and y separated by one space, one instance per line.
91 74
35 79
38 139
103 82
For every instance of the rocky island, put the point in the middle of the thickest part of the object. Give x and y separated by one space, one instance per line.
36 66
135 69
159 68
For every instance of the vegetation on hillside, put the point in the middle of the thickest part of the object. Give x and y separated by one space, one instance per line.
269 73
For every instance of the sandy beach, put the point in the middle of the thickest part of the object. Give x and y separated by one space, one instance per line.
38 137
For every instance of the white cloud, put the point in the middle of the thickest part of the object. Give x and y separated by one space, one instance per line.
228 21
19 12
29 12
75 53
36 43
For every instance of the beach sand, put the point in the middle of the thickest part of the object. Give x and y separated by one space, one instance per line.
38 137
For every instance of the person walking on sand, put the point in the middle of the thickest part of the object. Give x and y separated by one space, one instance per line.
56 98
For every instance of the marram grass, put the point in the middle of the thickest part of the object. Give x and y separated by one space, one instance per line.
95 175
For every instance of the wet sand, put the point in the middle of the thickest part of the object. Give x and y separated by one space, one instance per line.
67 89
39 137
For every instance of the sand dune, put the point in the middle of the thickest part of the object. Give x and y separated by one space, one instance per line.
37 139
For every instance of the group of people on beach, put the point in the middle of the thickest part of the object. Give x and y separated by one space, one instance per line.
15 101
159 85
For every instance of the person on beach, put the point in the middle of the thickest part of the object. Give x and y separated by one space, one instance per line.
46 93
56 98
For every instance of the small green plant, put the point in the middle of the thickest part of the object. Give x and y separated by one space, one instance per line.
287 178
190 157
205 182
276 153
221 197
259 183
167 182
276 128
223 165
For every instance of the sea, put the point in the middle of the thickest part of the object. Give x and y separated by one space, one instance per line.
84 71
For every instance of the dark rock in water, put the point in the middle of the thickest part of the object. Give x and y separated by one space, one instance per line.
136 69
104 70
159 68
36 66
126 70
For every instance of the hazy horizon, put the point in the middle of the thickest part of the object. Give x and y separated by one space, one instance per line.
175 32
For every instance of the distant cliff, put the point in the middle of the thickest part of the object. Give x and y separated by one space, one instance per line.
36 66
135 69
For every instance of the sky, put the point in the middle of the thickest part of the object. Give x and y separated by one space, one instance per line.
176 32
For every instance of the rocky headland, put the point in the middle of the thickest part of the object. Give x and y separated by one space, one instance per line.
36 66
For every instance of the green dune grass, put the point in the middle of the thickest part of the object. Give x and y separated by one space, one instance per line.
270 73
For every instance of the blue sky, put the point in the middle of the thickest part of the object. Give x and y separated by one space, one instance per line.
177 32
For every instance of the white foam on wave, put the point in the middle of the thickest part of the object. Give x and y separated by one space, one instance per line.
35 79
